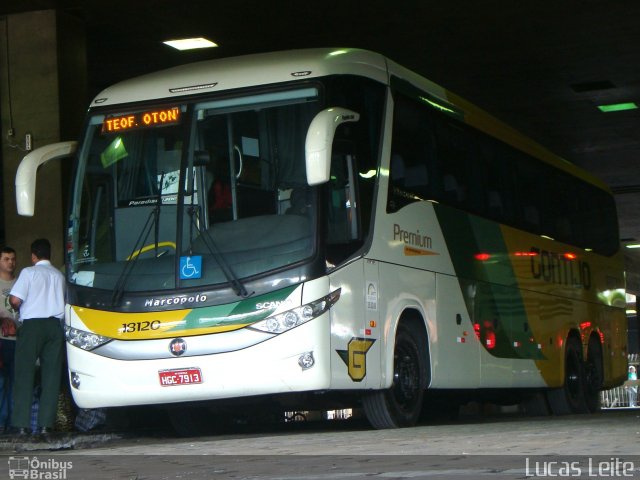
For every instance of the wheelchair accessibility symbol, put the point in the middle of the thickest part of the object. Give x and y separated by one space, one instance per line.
190 267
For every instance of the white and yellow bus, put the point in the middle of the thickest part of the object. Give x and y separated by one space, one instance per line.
317 223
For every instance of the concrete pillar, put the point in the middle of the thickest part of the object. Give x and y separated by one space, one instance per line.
42 93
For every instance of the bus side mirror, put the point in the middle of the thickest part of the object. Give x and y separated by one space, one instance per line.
26 174
320 139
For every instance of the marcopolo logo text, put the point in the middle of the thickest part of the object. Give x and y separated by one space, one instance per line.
178 300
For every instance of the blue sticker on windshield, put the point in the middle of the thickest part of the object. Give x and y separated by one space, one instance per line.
190 267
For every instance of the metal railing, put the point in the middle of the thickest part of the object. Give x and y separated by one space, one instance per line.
626 395
619 397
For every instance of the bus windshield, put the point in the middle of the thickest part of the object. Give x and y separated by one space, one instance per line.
182 195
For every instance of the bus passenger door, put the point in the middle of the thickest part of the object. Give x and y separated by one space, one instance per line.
372 328
356 316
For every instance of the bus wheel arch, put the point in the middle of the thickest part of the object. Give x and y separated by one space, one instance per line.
401 404
570 397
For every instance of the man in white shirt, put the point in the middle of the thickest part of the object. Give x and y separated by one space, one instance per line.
39 294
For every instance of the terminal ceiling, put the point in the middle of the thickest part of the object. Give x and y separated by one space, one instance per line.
542 66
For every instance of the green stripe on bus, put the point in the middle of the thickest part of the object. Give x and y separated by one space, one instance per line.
488 283
238 313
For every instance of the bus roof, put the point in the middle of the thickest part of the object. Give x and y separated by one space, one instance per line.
487 123
245 71
276 67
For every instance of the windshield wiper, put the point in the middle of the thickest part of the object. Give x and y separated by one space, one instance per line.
234 282
152 220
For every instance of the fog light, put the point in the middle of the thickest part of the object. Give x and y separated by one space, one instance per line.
75 380
306 360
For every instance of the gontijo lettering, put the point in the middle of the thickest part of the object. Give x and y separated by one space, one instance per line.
149 118
560 268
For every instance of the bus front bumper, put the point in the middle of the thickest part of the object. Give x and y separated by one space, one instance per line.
294 361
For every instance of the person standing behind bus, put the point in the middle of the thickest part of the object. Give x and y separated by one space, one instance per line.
632 390
7 334
39 294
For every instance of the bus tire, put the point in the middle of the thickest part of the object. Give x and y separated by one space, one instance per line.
570 398
594 375
401 405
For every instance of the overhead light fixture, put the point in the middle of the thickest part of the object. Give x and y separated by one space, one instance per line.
617 107
633 245
190 43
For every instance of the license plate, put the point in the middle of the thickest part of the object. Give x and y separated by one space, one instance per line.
183 376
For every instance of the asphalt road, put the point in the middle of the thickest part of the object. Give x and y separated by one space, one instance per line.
605 445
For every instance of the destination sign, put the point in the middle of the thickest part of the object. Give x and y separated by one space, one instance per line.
150 118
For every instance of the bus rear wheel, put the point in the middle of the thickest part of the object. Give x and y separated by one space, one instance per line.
594 375
570 398
400 405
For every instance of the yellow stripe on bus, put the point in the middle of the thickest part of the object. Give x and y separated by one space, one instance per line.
146 325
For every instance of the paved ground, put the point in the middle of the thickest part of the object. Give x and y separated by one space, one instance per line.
495 447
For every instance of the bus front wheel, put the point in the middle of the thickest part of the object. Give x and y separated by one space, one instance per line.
400 405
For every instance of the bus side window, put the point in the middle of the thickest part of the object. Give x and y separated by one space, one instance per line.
531 217
417 179
412 177
495 205
454 193
398 195
409 182
398 170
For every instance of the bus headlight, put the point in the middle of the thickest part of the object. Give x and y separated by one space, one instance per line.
297 316
84 340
